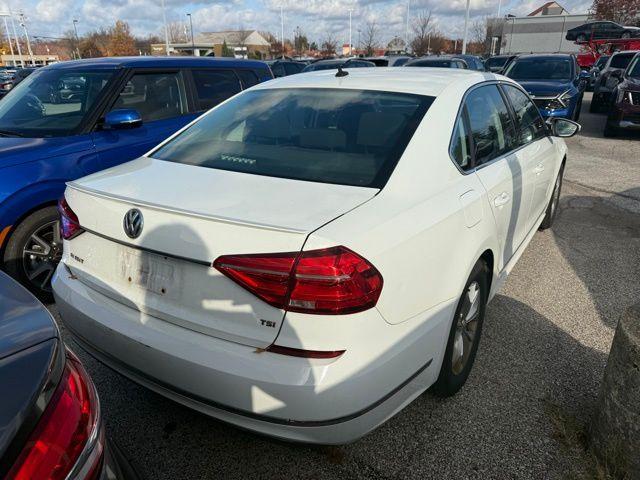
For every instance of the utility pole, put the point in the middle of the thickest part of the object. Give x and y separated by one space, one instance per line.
6 27
282 29
23 24
75 29
466 28
193 45
15 35
350 44
406 30
358 47
166 29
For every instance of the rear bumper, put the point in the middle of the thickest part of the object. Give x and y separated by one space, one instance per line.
314 401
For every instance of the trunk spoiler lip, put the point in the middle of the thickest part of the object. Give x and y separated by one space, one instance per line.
155 206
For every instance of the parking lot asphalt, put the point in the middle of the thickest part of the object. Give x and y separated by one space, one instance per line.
534 384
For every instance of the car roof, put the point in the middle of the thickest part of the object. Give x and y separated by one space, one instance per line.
24 321
545 55
154 62
421 81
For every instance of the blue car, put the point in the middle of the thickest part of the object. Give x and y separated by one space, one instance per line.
554 81
71 119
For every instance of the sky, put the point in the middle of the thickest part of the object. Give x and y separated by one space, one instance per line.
316 18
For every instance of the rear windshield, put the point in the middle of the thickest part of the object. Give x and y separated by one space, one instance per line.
347 137
429 63
540 69
495 62
621 61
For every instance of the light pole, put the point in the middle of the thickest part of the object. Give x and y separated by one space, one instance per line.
75 29
166 29
15 35
23 24
499 7
193 45
282 29
350 44
466 28
406 30
358 47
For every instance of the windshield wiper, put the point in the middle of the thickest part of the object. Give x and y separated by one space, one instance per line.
7 133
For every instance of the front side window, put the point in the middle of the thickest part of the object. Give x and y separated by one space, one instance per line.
347 137
529 122
214 87
155 96
51 102
492 130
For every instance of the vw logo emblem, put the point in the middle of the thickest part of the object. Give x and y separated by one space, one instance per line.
133 223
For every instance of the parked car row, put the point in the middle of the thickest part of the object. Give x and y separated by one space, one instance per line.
219 258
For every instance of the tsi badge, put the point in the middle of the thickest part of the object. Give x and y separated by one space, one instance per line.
133 223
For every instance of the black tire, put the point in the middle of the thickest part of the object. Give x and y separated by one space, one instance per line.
595 105
24 266
453 373
581 38
576 113
626 35
609 130
554 201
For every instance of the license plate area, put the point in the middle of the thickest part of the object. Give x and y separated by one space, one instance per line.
151 272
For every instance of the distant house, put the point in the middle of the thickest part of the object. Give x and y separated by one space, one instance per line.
549 8
396 46
239 43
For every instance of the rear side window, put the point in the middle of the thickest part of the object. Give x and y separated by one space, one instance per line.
293 68
460 146
248 78
278 70
347 137
529 122
155 96
491 127
214 87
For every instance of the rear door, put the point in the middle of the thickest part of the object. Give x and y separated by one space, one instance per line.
536 152
498 166
161 98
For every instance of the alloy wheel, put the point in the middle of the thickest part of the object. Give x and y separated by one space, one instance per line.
466 328
41 255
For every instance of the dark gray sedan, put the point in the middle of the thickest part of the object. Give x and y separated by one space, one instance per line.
50 423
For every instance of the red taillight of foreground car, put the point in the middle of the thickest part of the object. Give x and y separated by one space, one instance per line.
68 428
69 223
331 281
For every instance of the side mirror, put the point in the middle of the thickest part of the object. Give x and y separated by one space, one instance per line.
122 118
563 127
584 75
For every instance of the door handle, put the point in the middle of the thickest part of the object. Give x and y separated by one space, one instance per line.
539 169
501 199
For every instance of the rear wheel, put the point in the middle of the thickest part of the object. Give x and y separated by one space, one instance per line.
34 251
465 332
626 35
552 208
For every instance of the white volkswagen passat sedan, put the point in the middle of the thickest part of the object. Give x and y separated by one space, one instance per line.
309 256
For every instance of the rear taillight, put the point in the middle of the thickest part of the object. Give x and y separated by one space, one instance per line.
69 224
331 281
68 431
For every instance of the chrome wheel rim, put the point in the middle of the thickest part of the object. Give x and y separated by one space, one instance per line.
41 254
466 328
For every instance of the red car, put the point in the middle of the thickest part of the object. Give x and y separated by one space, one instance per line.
625 109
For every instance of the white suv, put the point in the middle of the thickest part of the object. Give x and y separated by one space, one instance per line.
311 255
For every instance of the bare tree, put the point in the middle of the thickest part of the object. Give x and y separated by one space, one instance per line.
626 12
329 45
177 32
370 38
421 31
